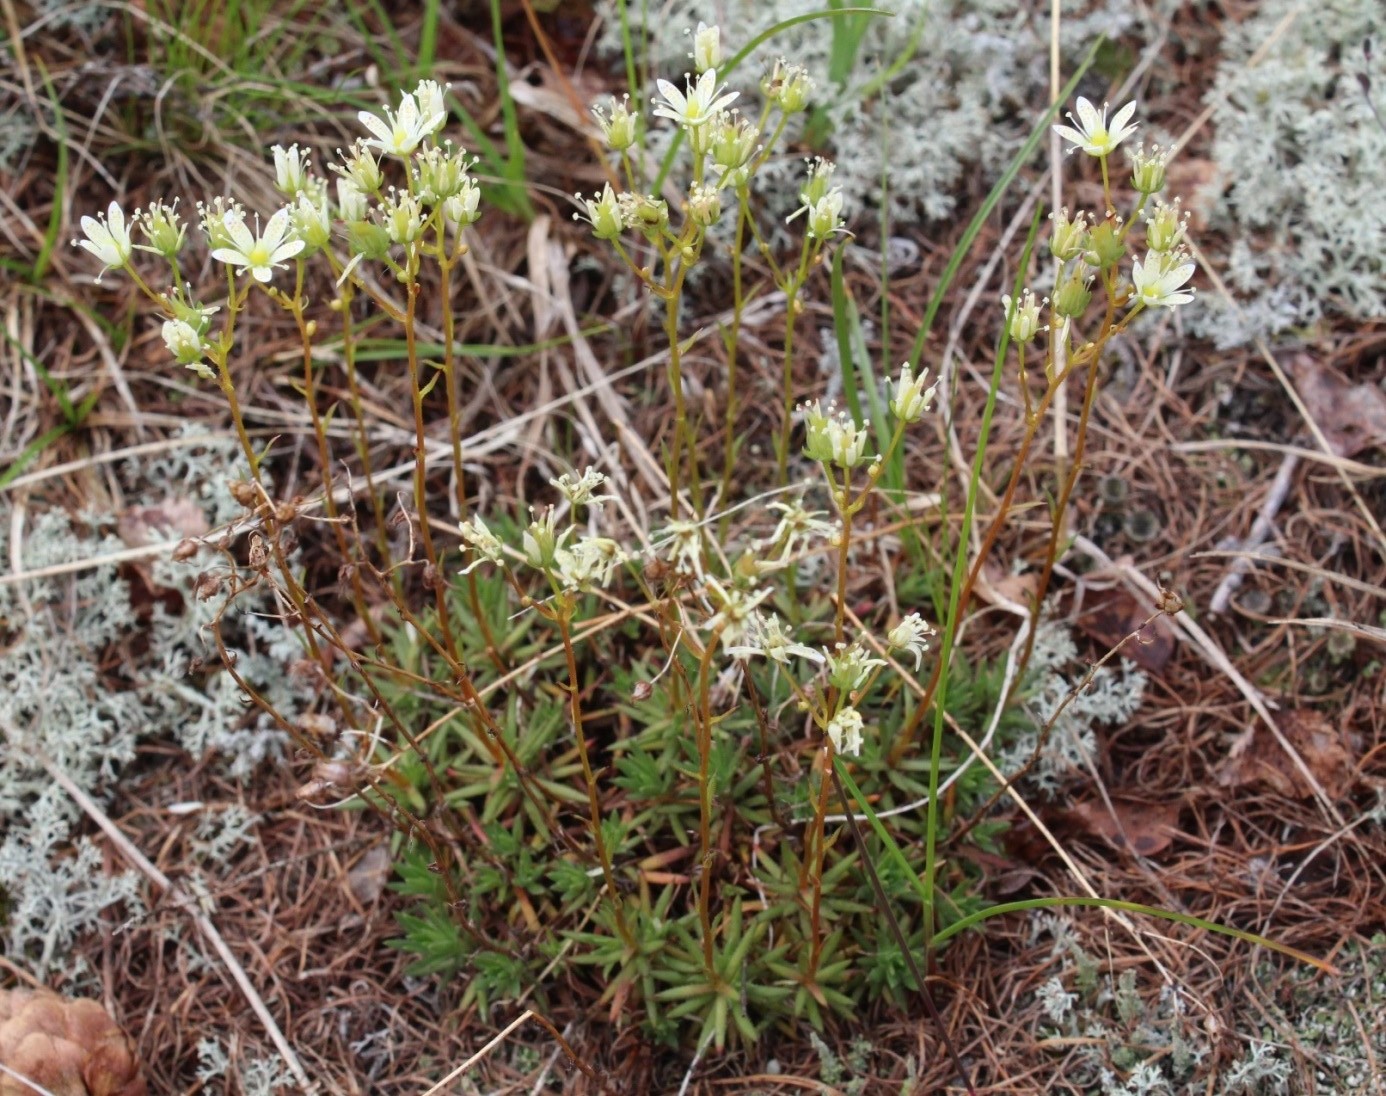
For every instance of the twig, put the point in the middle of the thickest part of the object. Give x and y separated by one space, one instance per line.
1215 655
1260 530
490 1045
177 897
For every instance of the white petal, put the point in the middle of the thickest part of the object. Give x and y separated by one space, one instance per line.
1071 135
1088 117
261 273
286 251
230 255
675 97
274 231
372 122
1123 116
238 230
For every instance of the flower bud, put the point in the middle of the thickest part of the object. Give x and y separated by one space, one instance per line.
1165 227
604 213
787 86
1074 294
1148 170
162 228
290 169
707 48
704 204
1024 323
1105 245
910 399
1069 237
618 125
351 200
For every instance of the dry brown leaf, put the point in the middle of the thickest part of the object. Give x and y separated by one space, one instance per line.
1145 828
368 876
1112 616
141 525
1351 416
1256 759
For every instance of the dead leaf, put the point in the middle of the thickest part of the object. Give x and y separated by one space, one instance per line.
996 585
1351 416
141 525
1256 759
368 876
1112 616
1145 828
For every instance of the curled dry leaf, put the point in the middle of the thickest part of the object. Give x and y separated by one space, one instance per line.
1351 416
1143 827
141 525
68 1046
1115 616
1256 759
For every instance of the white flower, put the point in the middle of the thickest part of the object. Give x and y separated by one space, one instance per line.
911 635
1024 324
312 220
604 214
404 218
850 666
542 542
185 343
831 437
765 635
707 48
589 563
737 607
797 526
108 238
845 731
1093 135
259 255
684 543
432 98
618 125
910 399
162 228
1158 279
361 167
463 208
581 490
825 215
698 106
704 204
787 86
480 540
400 133
351 200
290 169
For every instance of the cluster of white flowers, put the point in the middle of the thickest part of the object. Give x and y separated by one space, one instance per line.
587 563
726 149
368 218
1087 245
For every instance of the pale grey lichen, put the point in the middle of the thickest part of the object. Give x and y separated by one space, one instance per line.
1113 695
962 102
84 678
1300 156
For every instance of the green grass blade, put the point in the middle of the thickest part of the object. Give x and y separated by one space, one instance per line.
29 452
428 36
55 215
1002 185
964 923
949 629
853 357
